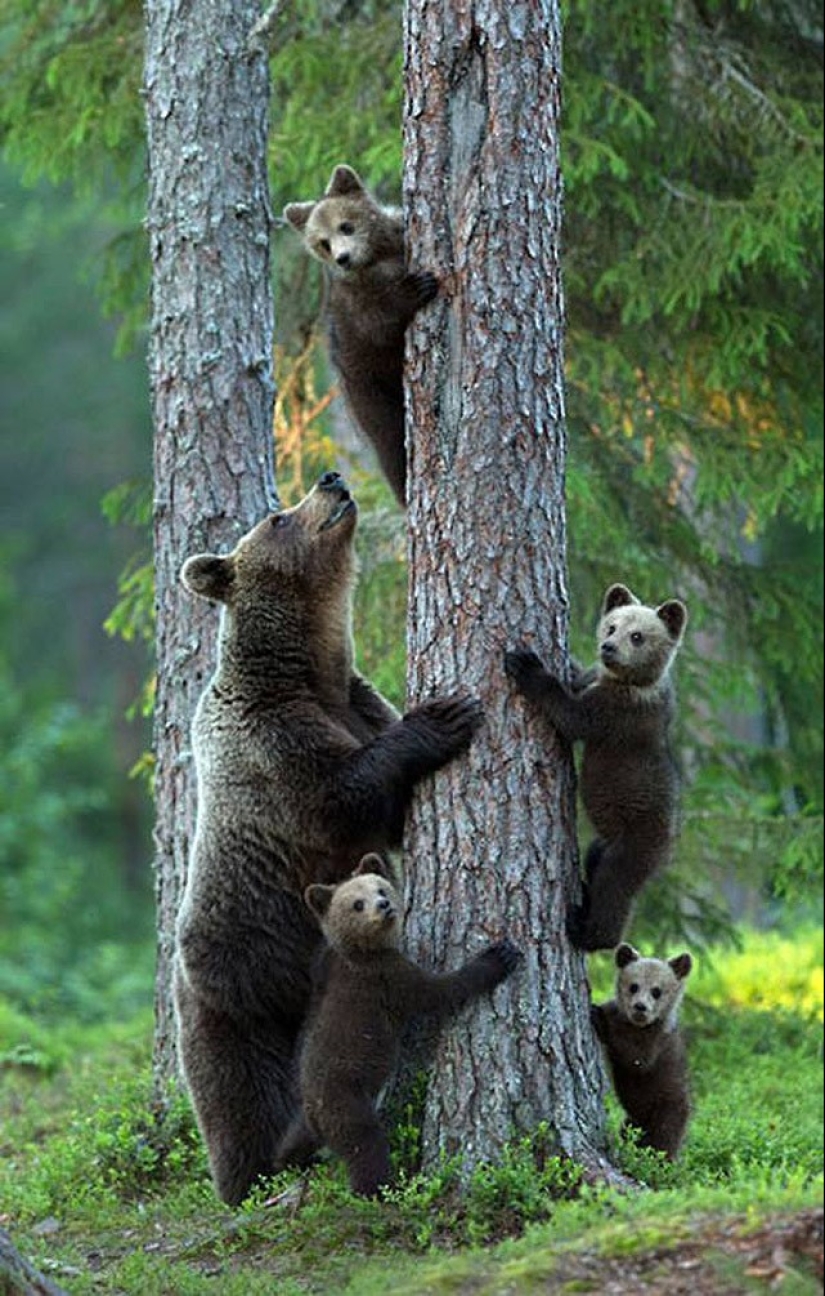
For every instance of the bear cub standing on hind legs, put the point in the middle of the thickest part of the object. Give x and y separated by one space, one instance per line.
366 990
644 1047
302 767
372 298
622 709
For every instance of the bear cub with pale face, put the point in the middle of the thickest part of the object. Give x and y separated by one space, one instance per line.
644 1048
301 768
622 710
372 298
366 991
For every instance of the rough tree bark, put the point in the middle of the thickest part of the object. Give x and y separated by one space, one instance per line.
211 375
491 842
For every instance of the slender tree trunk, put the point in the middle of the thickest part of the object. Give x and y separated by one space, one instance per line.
211 375
491 843
18 1277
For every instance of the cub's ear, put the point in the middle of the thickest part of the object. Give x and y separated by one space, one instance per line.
318 898
626 954
343 181
371 863
209 575
298 214
674 615
617 596
681 965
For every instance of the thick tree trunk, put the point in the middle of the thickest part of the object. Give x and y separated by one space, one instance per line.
211 375
491 843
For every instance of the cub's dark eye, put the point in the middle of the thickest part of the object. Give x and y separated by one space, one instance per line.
611 629
656 992
358 906
634 989
637 638
346 227
324 245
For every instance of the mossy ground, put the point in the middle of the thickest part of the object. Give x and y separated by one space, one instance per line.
108 1196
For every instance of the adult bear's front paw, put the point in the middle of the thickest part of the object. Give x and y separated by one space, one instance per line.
450 721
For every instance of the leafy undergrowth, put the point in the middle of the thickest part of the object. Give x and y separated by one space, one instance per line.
108 1195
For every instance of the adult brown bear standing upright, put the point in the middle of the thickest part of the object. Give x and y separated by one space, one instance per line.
302 767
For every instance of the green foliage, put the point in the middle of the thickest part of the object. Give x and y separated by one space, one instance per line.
61 950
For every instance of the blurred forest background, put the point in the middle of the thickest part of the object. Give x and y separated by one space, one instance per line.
692 155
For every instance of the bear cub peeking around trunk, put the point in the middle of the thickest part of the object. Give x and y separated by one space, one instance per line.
302 767
644 1048
622 710
366 991
372 298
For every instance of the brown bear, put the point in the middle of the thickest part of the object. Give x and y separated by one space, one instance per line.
301 768
644 1047
622 709
372 298
366 990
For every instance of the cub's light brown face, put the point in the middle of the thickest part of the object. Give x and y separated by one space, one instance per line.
637 643
648 989
363 913
338 233
310 542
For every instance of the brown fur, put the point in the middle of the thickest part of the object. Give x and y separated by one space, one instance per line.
302 767
644 1047
622 710
372 298
366 991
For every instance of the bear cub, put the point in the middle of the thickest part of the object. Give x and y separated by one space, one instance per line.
372 297
366 990
302 768
645 1051
622 709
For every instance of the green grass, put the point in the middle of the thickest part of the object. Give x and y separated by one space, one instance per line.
110 1196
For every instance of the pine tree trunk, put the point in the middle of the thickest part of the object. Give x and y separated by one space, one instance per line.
211 376
18 1277
491 842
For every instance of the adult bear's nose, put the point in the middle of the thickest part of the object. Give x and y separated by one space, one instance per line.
330 481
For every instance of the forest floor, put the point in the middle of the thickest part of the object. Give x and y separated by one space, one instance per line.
106 1198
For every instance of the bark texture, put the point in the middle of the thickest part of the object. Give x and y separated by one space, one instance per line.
491 842
211 376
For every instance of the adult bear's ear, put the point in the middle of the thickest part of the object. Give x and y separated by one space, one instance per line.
626 954
298 214
343 181
209 575
617 596
319 898
371 863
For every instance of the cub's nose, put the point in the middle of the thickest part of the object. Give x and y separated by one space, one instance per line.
343 259
608 649
640 1009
